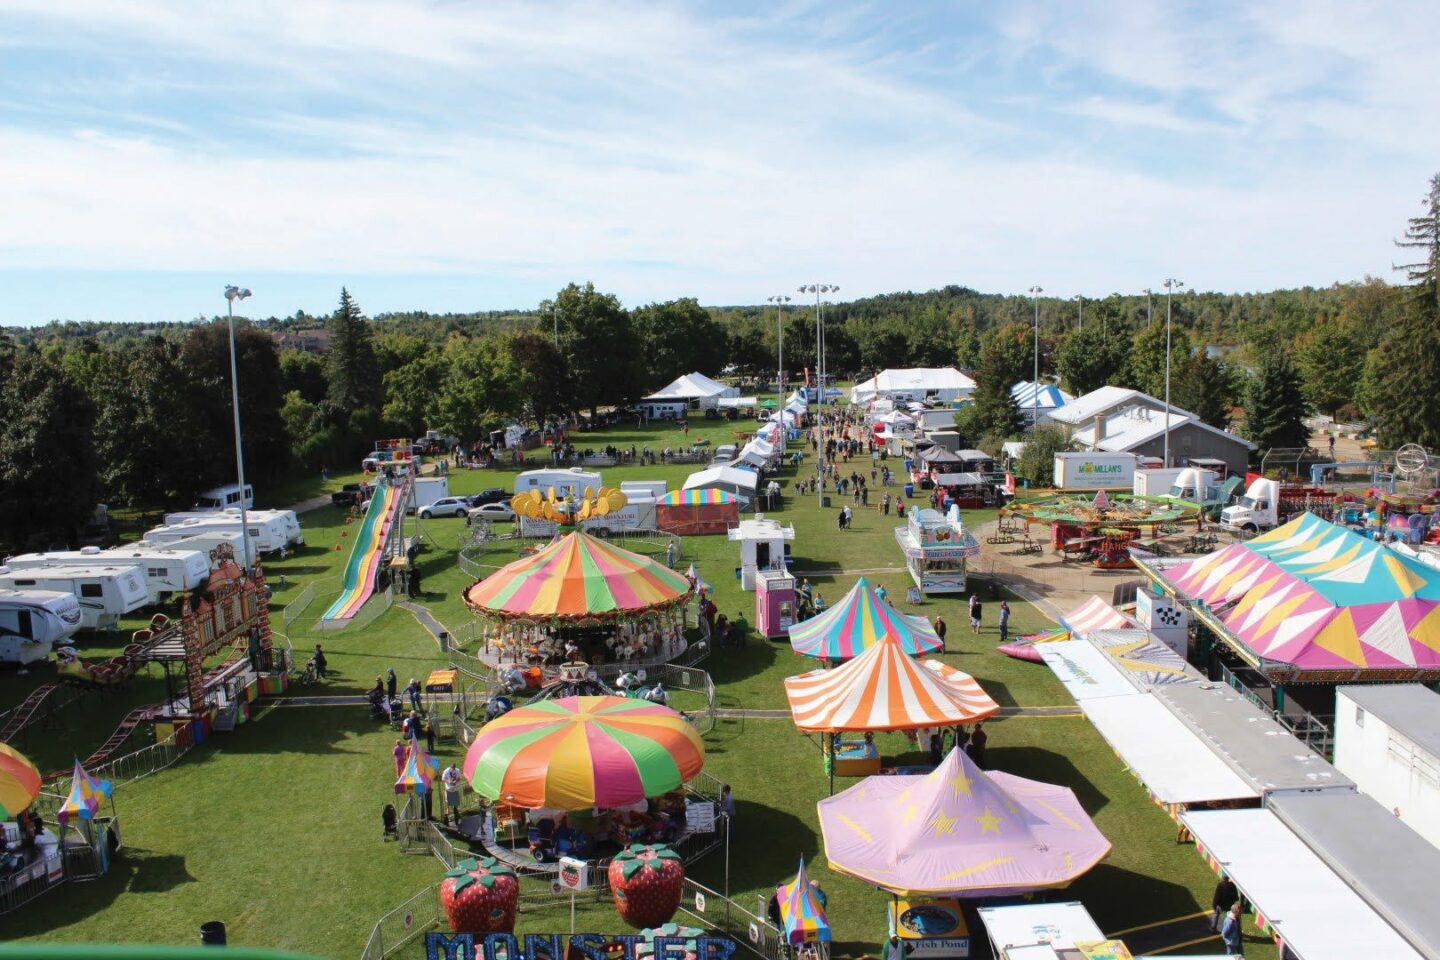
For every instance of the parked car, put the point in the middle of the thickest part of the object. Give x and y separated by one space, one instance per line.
489 495
350 494
491 511
444 507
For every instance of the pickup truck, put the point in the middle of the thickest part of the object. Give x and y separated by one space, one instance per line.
350 495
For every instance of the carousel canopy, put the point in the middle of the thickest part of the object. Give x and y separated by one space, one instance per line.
884 689
801 910
857 622
85 796
1320 597
19 782
961 831
579 752
578 578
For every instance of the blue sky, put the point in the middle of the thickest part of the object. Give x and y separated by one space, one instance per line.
458 155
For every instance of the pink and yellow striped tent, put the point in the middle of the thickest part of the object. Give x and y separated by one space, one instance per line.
578 578
858 621
884 689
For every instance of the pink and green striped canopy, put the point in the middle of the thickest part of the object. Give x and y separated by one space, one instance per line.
579 752
578 578
856 623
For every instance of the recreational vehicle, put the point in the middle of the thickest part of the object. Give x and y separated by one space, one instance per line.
206 543
572 481
263 536
288 520
106 591
168 569
222 498
33 621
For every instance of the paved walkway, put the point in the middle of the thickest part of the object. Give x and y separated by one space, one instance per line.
423 616
314 503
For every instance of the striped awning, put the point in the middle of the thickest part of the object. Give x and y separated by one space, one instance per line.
1094 614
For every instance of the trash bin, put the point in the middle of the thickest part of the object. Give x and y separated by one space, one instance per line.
910 490
212 933
825 501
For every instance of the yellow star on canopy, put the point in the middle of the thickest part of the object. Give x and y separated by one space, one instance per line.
989 822
909 813
960 783
943 824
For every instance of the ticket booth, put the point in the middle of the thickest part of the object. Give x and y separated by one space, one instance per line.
762 547
774 603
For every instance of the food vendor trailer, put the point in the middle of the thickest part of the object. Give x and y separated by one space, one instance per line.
936 548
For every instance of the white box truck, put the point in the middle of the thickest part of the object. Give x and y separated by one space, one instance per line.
1095 471
1155 481
1387 739
425 491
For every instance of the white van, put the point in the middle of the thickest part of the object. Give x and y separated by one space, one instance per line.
222 498
33 621
106 592
572 481
287 518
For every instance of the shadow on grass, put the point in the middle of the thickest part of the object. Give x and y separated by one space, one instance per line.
727 664
765 850
1113 893
1037 763
134 870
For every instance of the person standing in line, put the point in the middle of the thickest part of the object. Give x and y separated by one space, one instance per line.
412 693
1232 934
1225 896
451 779
976 747
940 627
975 612
391 682
1004 620
727 807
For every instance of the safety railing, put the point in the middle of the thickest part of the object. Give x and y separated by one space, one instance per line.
712 910
412 919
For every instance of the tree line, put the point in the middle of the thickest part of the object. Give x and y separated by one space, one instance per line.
139 415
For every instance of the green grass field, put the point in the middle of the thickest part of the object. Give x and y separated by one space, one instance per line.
275 828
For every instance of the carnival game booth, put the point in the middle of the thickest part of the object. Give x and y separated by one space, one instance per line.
858 621
1312 602
882 690
584 776
580 596
936 549
960 831
697 511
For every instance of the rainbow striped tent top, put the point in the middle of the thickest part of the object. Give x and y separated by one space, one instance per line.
695 498
802 909
578 578
857 622
85 796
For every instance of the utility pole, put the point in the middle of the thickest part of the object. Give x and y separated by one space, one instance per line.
1171 284
1035 292
820 289
779 300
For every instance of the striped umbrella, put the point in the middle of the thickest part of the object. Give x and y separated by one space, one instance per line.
19 782
802 910
579 752
577 579
418 771
856 623
883 689
85 797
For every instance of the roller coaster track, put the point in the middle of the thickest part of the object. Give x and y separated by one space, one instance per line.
122 733
22 714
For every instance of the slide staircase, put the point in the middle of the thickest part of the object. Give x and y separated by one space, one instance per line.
374 542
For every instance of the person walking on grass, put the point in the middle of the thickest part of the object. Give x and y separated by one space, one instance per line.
975 612
1004 620
940 627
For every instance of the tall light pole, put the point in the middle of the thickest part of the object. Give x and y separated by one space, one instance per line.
1171 284
820 289
1035 410
780 300
233 293
1079 298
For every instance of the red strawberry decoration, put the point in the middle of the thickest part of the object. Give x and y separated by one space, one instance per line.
480 897
647 882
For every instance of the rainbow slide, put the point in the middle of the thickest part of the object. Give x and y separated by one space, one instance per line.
368 552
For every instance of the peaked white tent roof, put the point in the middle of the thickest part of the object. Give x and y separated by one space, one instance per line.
741 481
693 386
947 382
1050 396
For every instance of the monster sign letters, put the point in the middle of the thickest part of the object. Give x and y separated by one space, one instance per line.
557 946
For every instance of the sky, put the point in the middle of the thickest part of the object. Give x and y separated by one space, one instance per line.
457 156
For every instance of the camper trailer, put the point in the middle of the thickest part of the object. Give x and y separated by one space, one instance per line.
222 498
287 519
166 569
570 481
33 621
206 543
106 591
263 535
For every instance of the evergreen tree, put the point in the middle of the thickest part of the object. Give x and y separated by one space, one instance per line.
1204 386
352 372
993 413
47 456
1402 377
1275 405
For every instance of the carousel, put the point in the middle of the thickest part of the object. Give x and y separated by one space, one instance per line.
579 599
1103 528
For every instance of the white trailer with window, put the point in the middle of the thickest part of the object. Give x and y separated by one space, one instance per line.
264 536
1387 739
222 498
33 621
287 520
166 569
106 591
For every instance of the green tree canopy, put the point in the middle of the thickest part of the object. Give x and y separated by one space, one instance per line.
1037 462
1089 359
1204 386
598 343
1275 405
1331 358
351 370
47 457
678 337
1146 367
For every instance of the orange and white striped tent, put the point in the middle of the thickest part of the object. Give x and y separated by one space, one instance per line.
884 689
